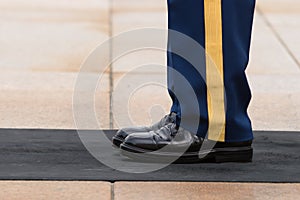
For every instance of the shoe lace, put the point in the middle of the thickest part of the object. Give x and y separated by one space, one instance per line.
170 118
167 131
173 129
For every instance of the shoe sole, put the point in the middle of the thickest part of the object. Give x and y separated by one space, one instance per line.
217 155
117 141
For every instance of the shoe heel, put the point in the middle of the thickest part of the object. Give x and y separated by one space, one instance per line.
238 156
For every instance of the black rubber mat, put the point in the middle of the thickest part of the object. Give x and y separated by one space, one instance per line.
60 155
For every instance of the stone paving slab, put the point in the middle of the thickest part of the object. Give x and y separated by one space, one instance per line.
139 98
287 28
133 14
136 5
267 53
282 16
45 100
54 190
275 111
204 191
64 190
279 6
56 37
137 59
273 70
42 46
50 35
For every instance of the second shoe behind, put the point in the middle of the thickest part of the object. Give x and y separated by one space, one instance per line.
120 136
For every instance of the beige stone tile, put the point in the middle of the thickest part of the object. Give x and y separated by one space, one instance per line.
37 190
276 83
205 191
50 35
139 99
275 111
51 110
42 46
275 104
279 6
283 16
45 100
268 56
127 21
287 26
120 6
131 15
137 59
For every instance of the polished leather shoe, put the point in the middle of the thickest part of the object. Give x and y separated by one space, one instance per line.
173 144
124 132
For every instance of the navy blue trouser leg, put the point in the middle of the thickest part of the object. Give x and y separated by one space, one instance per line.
195 18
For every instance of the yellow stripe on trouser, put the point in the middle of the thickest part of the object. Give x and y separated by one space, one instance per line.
214 69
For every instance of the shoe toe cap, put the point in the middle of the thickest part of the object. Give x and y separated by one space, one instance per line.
124 132
143 140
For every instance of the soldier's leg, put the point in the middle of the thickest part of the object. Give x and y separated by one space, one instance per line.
223 28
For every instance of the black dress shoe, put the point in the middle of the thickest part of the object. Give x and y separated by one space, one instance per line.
124 132
174 144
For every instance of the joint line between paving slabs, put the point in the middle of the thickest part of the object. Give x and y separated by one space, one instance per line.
112 190
111 81
277 35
